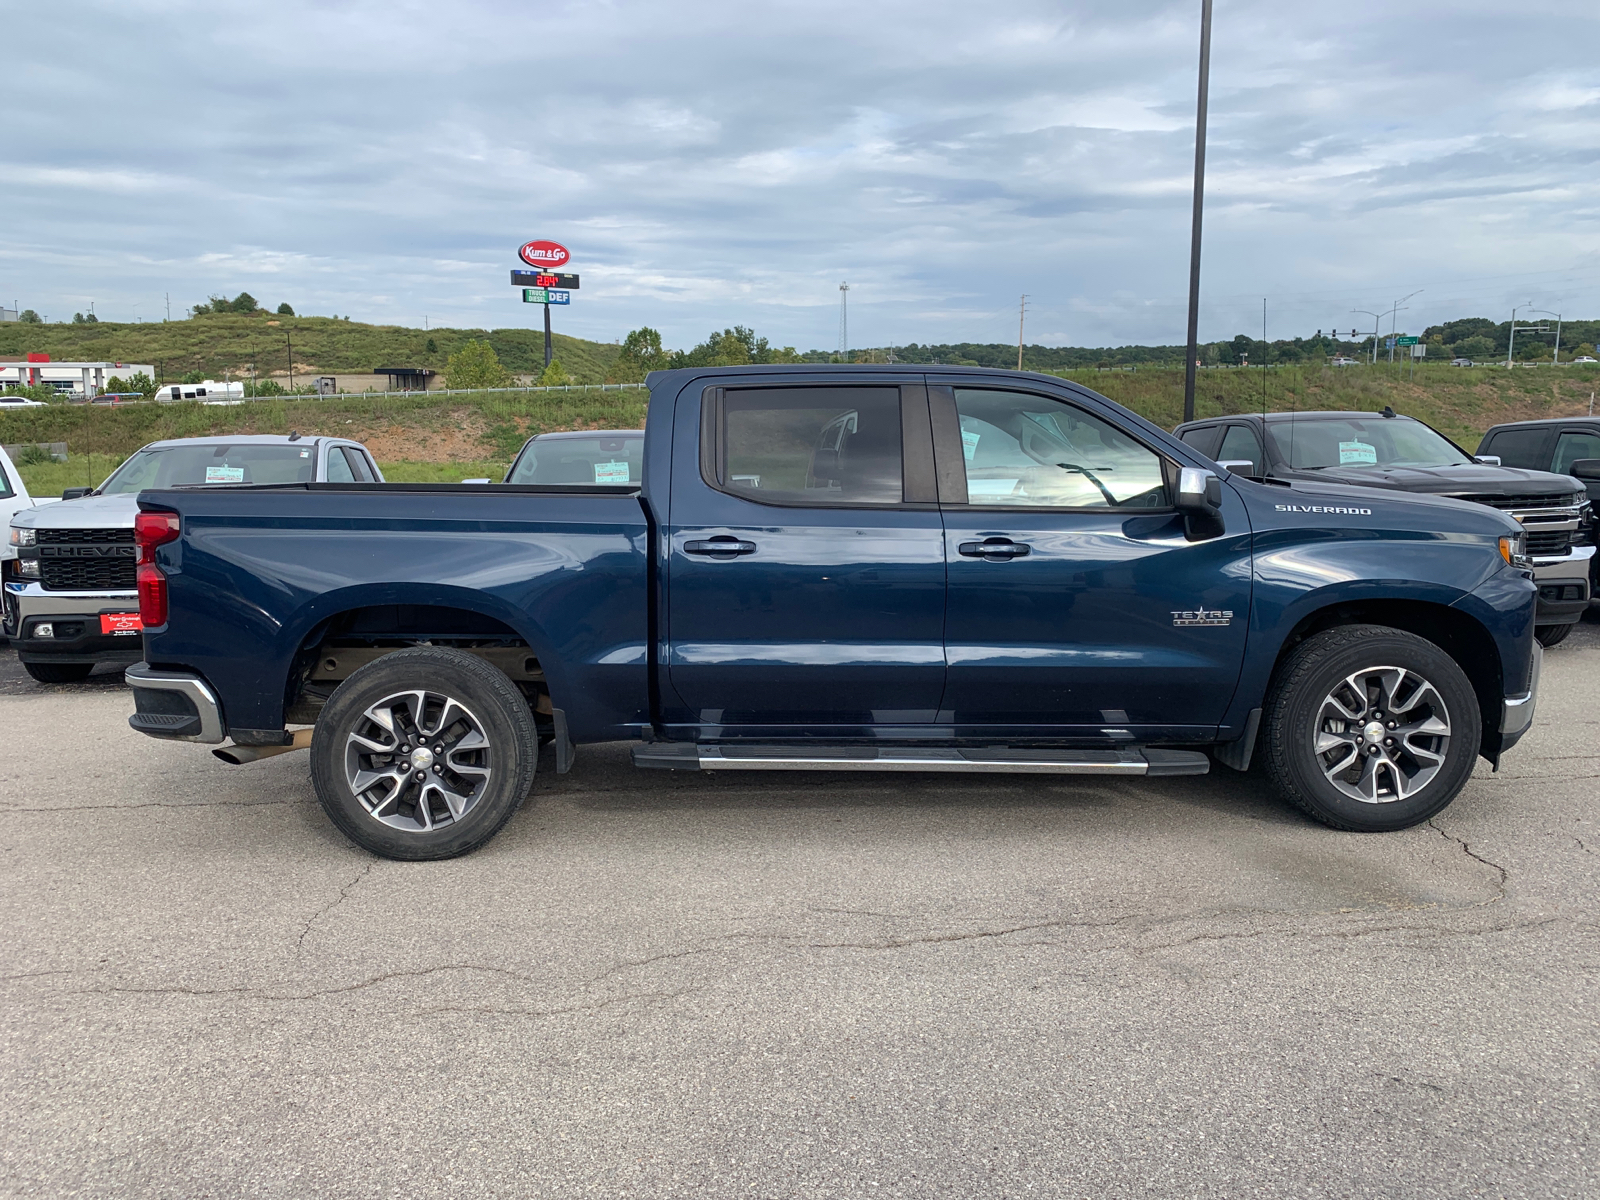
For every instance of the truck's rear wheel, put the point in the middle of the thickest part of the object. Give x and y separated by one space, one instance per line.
1370 728
59 672
424 753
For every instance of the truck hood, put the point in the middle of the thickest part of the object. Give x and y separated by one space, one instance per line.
86 512
1446 512
1478 479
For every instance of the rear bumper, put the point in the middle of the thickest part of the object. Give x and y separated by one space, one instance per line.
174 706
1516 712
1564 587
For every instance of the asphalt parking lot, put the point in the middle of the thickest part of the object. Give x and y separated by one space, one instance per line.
676 985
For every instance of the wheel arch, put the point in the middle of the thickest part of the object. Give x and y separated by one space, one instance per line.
1458 634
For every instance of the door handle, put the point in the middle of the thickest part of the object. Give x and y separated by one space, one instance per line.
730 547
995 549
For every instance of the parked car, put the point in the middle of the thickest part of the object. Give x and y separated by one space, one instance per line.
1584 358
1563 445
14 498
1461 362
603 456
70 595
1383 450
844 569
16 401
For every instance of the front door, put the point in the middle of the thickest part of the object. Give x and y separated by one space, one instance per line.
1077 607
805 577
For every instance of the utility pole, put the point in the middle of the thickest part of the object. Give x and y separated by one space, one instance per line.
1189 364
289 344
1022 314
1511 339
169 306
844 322
1392 313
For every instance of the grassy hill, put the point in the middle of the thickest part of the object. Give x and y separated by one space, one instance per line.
231 341
433 437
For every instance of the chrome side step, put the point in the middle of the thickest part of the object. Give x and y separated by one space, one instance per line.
683 756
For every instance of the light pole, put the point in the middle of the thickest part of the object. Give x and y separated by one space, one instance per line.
1189 364
1376 318
1555 359
1392 313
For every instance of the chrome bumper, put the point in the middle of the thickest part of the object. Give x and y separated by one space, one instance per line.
1517 711
143 677
32 599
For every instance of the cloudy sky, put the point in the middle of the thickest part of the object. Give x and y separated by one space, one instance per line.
711 162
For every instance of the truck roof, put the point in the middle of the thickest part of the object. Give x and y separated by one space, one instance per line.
248 439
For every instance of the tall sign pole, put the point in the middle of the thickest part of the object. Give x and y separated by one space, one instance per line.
546 257
1189 364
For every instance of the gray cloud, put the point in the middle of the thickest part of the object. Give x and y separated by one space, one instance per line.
709 163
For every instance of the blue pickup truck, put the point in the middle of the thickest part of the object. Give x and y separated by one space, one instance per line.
844 569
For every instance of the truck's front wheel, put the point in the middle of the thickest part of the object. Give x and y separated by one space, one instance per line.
59 672
1370 728
424 753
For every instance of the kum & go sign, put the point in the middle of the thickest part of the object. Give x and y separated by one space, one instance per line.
544 254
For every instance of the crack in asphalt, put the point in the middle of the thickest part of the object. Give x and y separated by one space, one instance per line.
299 942
645 997
1470 853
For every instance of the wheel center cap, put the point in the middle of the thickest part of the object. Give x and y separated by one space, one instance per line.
1372 731
421 758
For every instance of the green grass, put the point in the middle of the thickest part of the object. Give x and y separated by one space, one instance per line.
230 341
432 437
451 472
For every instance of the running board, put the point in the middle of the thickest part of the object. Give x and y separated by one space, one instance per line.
683 756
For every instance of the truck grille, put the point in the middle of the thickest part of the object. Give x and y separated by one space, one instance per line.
1544 545
70 573
1521 503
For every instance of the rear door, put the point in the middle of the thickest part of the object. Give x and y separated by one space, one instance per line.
1527 447
805 582
1077 607
1573 444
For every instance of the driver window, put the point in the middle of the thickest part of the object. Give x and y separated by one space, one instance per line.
339 467
1241 445
1029 451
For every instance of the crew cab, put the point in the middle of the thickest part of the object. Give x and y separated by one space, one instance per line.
70 600
842 569
1385 450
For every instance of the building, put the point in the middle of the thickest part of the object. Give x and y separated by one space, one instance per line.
406 379
73 378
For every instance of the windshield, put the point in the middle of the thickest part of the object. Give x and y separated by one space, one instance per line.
171 466
1315 445
617 458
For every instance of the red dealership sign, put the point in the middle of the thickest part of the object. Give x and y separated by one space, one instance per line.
544 254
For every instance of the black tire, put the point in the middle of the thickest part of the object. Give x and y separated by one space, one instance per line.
415 820
1552 635
58 672
1406 778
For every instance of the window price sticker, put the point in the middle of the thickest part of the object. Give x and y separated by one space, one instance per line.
969 444
611 472
1357 452
224 474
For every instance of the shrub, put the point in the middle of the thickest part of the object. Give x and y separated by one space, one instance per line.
475 365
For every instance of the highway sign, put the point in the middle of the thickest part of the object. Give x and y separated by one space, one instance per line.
545 296
548 255
544 279
1406 341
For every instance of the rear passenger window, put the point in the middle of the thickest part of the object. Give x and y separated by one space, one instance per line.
1526 448
339 467
1573 446
810 445
1203 439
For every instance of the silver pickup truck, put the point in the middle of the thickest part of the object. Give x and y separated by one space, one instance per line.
70 597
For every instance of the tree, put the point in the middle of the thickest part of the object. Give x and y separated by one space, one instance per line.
475 365
1474 347
734 347
244 302
431 348
641 353
553 375
29 317
285 311
81 319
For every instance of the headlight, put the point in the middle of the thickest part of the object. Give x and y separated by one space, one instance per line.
1513 549
28 568
23 537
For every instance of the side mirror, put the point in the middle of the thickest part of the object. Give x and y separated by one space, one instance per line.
1239 466
1585 468
1199 499
1488 460
74 493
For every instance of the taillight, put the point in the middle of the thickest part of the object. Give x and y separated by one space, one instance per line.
152 529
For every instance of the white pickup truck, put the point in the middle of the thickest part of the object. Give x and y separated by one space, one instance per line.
70 600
